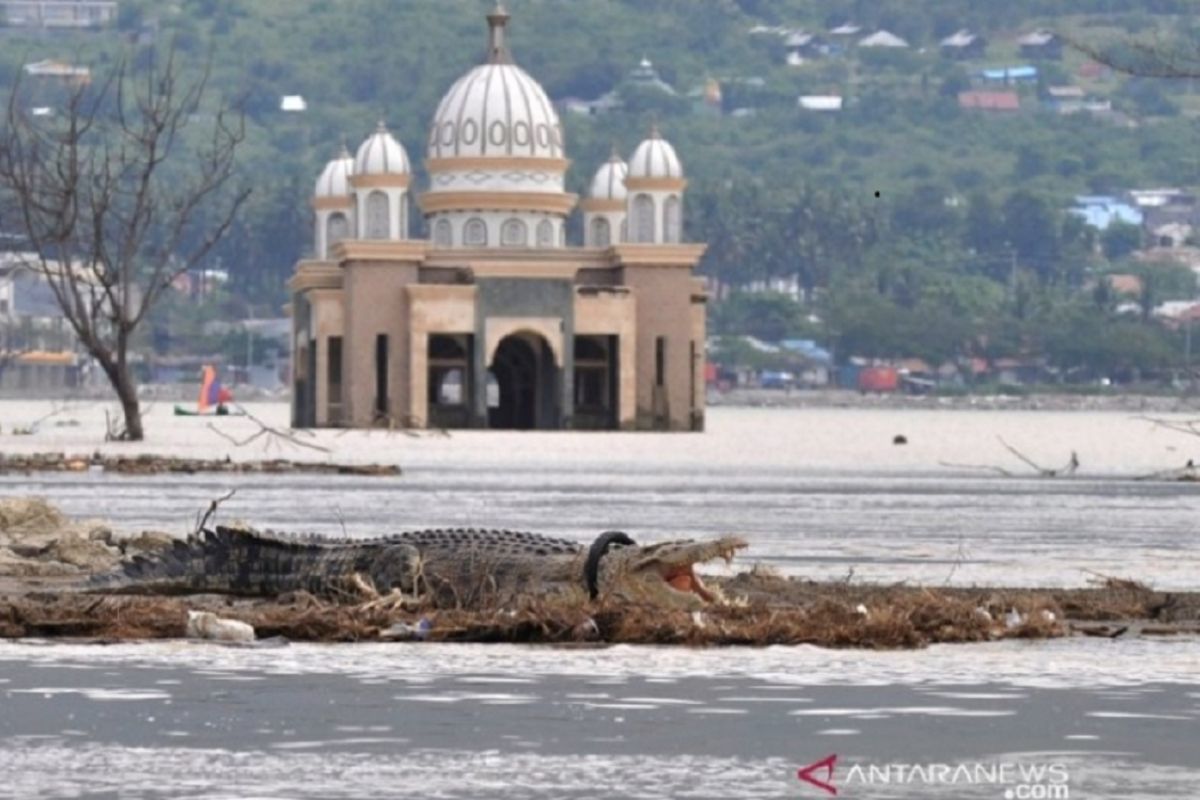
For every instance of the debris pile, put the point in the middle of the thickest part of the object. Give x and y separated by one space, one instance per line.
147 464
45 558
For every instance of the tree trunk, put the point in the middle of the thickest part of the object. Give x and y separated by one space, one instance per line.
130 407
116 369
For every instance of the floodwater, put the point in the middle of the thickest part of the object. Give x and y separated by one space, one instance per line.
820 493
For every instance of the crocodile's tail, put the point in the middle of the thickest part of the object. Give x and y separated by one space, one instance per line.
234 561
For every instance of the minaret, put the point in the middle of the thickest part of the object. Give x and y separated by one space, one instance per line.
655 192
380 181
604 207
333 204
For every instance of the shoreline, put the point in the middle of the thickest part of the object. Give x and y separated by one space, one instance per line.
1052 402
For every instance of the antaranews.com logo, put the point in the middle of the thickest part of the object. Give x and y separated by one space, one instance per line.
1014 780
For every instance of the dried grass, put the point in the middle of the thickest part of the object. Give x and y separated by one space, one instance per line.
21 515
828 615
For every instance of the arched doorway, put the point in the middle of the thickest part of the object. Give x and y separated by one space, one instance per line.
524 395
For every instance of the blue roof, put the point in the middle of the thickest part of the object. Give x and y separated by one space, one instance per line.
1100 211
807 348
1021 73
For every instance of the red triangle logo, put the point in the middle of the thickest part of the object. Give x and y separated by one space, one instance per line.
827 763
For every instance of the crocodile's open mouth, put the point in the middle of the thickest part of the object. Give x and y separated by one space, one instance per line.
683 578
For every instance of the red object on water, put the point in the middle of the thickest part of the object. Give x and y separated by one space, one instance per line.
878 379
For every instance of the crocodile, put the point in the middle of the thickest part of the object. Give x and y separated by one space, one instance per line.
462 567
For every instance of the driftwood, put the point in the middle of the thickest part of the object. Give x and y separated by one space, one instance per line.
270 435
202 521
1068 469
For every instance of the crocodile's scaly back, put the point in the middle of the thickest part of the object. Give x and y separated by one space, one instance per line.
461 568
251 563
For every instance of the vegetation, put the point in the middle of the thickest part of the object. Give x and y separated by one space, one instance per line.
914 227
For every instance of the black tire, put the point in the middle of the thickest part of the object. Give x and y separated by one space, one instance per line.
591 568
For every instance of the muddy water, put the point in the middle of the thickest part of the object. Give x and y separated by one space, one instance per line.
817 492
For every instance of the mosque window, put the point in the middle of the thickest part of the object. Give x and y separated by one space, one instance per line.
514 233
337 228
442 234
601 234
475 233
377 216
643 219
545 234
671 232
402 221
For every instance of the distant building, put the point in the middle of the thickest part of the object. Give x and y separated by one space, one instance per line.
1074 100
58 13
882 38
1040 44
645 76
963 45
60 70
1100 211
846 30
1170 216
801 46
989 101
1125 284
820 102
38 350
1010 75
293 103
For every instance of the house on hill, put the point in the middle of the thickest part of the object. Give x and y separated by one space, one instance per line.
963 45
820 102
58 70
1010 75
882 38
58 13
1100 211
1041 44
980 100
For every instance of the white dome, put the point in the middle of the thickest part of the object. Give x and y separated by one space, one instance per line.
381 154
655 158
496 110
335 178
609 182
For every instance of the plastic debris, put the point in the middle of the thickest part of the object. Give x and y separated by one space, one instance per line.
207 625
405 631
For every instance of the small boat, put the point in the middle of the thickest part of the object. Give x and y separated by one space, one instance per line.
221 410
212 400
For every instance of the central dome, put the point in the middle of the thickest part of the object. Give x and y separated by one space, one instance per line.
496 160
496 110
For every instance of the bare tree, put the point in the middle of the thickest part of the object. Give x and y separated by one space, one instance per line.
9 345
119 194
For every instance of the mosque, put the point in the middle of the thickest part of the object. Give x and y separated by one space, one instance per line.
496 320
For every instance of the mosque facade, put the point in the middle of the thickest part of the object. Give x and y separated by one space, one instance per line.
496 320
